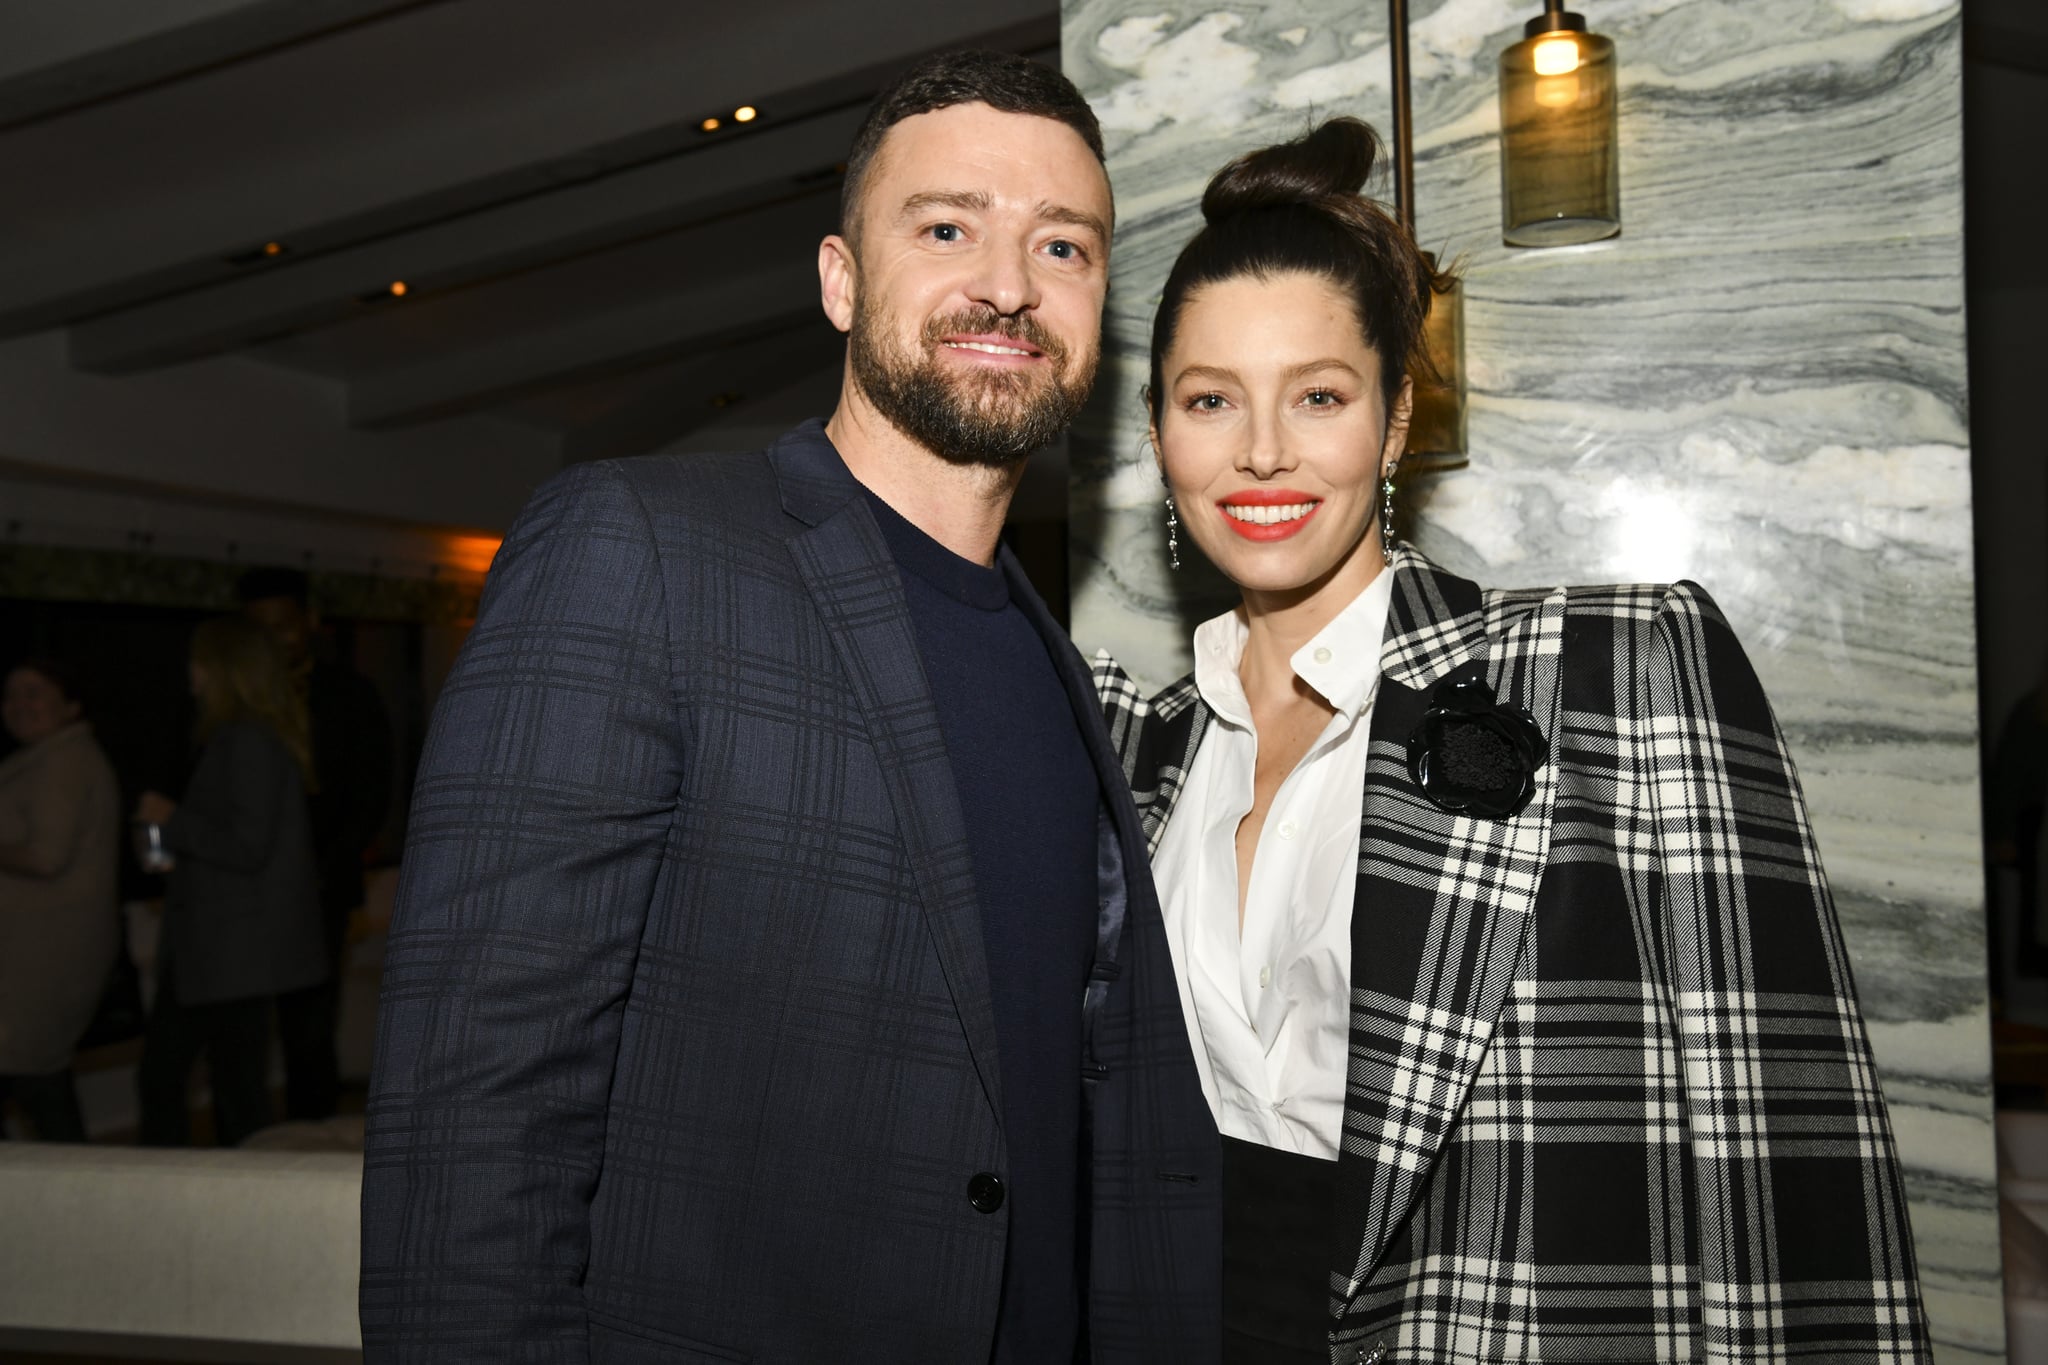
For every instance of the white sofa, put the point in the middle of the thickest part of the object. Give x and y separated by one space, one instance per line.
179 1255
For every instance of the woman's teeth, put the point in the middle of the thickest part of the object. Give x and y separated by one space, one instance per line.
1268 516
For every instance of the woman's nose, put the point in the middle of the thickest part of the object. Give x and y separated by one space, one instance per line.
1266 452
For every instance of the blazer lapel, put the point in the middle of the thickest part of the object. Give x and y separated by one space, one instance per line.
1443 902
1183 719
853 579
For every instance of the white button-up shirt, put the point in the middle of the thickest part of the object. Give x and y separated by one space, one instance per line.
1268 1008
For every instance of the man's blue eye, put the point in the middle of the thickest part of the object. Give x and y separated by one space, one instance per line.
946 232
1064 251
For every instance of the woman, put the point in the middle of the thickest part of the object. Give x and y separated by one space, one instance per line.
241 911
1512 978
60 924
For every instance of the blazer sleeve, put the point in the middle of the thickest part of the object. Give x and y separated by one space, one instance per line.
544 801
231 811
1802 1235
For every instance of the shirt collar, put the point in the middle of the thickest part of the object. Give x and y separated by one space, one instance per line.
1342 661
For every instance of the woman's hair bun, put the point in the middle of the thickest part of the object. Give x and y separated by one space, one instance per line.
1331 161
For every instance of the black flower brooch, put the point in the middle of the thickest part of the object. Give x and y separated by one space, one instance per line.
1473 756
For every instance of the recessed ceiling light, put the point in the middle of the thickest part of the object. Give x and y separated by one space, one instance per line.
746 113
398 289
256 255
710 125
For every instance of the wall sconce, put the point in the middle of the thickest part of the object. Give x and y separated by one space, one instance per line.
1560 175
1436 428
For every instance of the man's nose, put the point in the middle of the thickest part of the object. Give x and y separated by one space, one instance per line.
1004 279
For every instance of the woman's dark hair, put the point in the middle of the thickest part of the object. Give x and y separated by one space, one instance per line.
1003 81
1298 207
58 674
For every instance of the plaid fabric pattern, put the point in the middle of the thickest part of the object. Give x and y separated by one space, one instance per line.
686 1049
1610 1095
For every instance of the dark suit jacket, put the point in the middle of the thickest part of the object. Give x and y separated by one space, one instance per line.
686 1049
242 906
1609 1094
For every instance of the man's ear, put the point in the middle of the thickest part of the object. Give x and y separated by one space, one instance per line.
838 281
1397 427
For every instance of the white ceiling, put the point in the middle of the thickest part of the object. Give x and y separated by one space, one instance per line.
587 273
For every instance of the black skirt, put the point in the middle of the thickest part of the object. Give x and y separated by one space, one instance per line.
1277 1235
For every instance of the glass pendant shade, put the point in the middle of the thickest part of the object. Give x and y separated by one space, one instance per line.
1437 424
1560 177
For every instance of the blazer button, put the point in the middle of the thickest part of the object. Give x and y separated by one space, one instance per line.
985 1191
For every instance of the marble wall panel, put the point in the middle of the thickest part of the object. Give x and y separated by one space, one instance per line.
1759 385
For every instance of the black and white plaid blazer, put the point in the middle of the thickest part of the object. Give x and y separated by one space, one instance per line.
1610 1096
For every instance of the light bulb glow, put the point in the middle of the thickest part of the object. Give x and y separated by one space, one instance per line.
1556 57
398 289
710 125
746 113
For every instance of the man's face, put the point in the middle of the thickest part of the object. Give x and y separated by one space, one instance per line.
978 281
288 622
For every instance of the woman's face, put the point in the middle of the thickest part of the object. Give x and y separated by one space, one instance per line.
1273 436
33 707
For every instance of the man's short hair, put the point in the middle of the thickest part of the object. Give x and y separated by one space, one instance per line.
260 585
1003 81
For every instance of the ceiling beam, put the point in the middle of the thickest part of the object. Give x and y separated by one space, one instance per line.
575 220
58 57
736 310
244 429
705 391
497 153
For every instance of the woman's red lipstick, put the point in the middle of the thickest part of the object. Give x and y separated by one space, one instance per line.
1279 529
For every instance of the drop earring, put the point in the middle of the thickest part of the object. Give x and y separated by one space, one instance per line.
1387 515
1172 534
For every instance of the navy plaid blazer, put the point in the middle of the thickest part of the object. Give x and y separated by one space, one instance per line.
1609 1094
686 1050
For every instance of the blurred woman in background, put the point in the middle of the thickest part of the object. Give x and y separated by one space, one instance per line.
242 909
60 925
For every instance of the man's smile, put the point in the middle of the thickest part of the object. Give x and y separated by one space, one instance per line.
1001 349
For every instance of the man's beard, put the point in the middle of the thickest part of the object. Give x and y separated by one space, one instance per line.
994 419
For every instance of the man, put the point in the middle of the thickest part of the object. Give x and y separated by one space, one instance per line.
352 770
776 975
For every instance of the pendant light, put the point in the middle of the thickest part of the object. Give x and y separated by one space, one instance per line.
1436 427
1560 177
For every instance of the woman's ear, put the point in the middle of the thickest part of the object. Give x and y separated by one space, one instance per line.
837 281
1396 440
1152 431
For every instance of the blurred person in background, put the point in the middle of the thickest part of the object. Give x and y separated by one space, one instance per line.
351 738
2015 810
60 926
242 907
